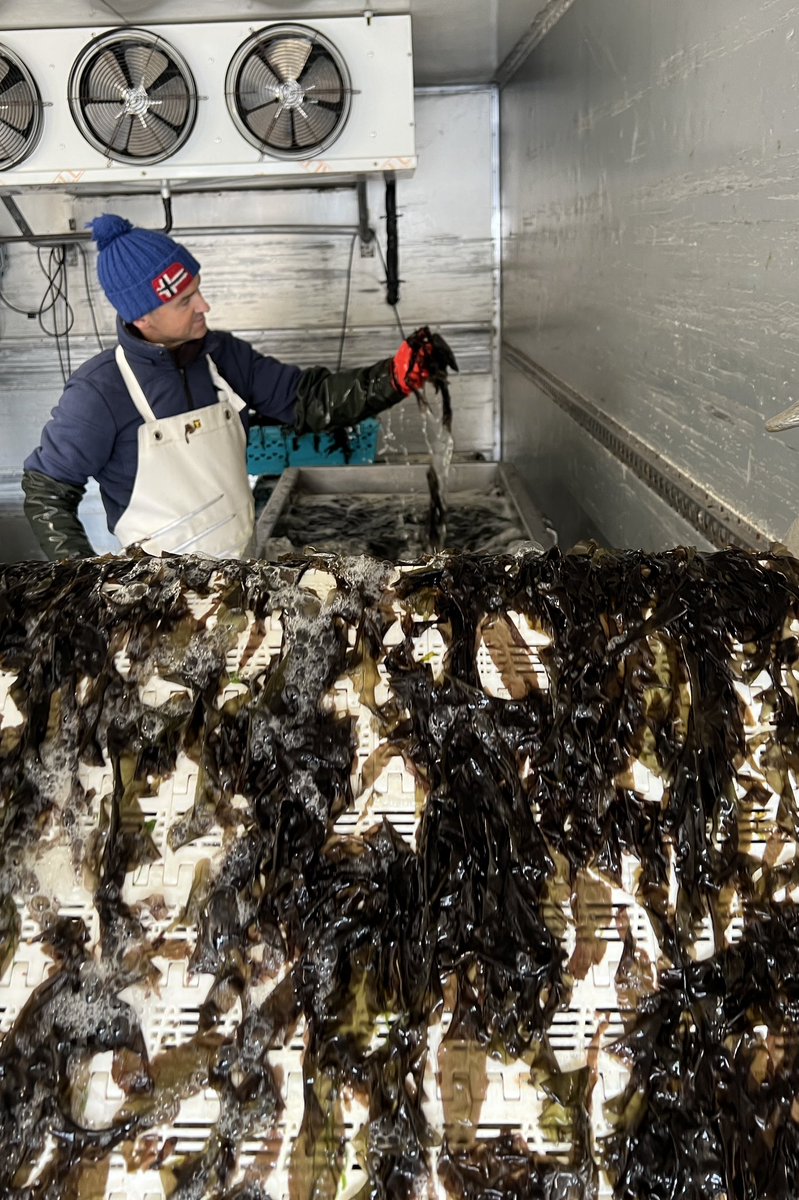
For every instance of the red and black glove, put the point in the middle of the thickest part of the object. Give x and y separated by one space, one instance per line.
422 356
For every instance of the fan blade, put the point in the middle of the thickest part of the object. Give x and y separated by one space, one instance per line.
109 70
104 117
12 142
287 56
144 63
271 129
257 79
319 69
327 105
320 123
170 106
273 123
296 144
334 91
150 135
119 134
260 108
9 77
17 102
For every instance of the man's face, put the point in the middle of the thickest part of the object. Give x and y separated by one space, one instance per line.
178 321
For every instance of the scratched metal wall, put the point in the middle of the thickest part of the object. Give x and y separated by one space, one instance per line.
650 152
286 293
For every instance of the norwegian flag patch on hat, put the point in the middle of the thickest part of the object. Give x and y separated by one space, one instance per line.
171 282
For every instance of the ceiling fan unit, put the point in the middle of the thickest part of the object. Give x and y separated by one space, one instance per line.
21 116
132 96
288 91
205 102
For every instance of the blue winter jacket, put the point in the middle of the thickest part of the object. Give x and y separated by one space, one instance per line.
93 431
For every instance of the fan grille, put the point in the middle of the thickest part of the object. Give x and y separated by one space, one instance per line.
20 111
288 91
133 97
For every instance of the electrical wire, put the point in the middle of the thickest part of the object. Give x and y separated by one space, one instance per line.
23 312
346 303
89 296
55 272
342 336
56 294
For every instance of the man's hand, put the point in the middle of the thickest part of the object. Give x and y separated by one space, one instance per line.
422 356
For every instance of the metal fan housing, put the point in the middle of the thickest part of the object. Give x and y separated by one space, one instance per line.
20 110
133 96
288 91
90 142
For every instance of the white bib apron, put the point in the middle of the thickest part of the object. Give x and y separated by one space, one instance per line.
191 493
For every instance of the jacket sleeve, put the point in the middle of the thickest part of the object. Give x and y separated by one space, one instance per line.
52 510
326 399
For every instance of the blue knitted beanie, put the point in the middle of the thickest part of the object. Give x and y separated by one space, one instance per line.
139 270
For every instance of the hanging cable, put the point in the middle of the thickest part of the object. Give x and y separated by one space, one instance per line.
89 296
67 308
346 303
395 307
57 290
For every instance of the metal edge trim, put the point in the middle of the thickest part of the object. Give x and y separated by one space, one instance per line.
273 508
496 268
715 520
529 516
542 24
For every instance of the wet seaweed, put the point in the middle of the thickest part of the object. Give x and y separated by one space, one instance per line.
373 949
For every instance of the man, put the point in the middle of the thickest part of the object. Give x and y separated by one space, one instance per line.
161 420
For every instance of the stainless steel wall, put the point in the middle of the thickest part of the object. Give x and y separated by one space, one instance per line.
286 293
649 208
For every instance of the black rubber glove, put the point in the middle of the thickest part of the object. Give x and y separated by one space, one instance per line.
327 399
52 510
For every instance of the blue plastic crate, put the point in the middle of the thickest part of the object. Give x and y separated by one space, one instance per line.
267 452
272 448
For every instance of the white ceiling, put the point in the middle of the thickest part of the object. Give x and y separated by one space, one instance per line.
454 41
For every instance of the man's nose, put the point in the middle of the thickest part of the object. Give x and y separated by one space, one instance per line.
202 305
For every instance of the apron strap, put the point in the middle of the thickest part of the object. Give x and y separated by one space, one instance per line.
224 387
133 386
140 401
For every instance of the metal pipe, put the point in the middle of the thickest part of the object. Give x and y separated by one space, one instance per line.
62 239
27 235
365 231
214 230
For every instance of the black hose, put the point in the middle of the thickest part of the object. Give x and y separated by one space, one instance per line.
392 243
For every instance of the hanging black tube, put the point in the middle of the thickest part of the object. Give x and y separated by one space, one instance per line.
392 243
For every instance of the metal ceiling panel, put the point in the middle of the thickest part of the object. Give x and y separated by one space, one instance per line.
460 42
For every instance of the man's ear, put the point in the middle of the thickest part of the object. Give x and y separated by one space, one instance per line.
144 325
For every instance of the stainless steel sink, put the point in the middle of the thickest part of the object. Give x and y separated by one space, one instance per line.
403 481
